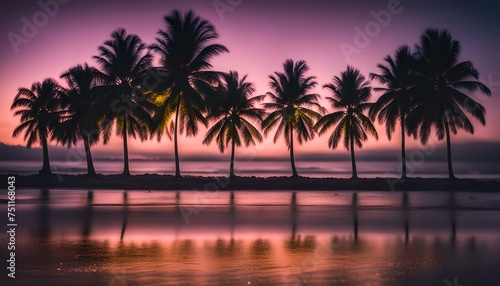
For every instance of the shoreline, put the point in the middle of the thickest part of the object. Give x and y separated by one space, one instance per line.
169 182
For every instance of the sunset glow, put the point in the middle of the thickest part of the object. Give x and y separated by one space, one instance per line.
260 36
246 142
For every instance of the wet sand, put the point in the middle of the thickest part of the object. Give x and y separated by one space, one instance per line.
137 237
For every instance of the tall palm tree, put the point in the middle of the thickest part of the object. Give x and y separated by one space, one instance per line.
395 102
290 99
186 48
350 94
40 113
443 102
78 99
233 113
124 61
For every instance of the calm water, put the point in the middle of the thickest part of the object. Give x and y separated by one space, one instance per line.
339 169
113 237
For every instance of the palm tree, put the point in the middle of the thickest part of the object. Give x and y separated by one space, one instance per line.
443 102
124 61
78 99
395 102
350 94
40 114
289 104
186 48
233 111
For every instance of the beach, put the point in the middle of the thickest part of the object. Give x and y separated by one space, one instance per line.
168 182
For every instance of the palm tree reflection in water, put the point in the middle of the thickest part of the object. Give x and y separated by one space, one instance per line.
87 225
355 215
44 229
306 247
125 215
405 205
296 243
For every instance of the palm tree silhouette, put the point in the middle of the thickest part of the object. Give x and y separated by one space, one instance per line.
40 113
232 112
442 102
123 63
78 99
395 103
350 94
186 48
289 102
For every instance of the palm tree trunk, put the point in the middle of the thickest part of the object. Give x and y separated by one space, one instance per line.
451 175
231 165
46 164
176 148
353 158
403 152
292 156
90 164
126 170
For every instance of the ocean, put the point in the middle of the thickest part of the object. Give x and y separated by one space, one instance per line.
266 168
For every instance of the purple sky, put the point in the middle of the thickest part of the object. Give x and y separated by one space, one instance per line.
260 36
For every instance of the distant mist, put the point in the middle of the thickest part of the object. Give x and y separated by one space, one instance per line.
465 152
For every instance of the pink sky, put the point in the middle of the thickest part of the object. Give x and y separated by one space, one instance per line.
260 36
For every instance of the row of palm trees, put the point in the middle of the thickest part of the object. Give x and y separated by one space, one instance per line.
423 88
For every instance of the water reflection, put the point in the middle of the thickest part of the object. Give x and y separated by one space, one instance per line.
405 205
261 248
125 215
87 224
453 205
44 225
107 235
232 214
228 248
178 213
297 243
293 205
355 215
